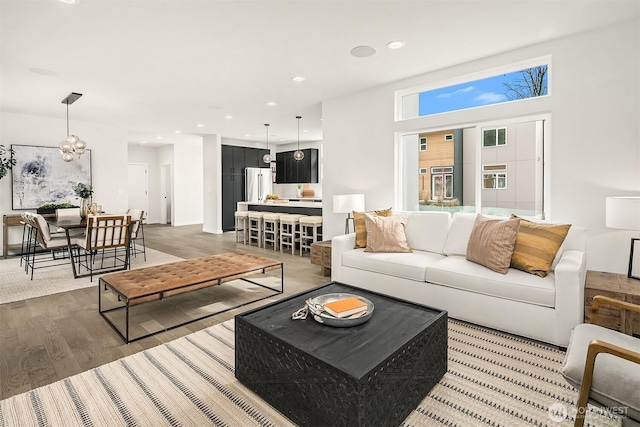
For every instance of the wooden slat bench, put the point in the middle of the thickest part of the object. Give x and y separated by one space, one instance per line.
161 281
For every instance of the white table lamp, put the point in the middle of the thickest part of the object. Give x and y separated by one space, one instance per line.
347 203
624 213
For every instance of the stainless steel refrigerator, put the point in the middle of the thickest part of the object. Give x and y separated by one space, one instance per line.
258 184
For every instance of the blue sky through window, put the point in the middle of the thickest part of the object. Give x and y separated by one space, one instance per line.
477 93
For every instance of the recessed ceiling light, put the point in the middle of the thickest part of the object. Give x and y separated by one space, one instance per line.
177 131
200 125
143 142
395 44
158 137
305 130
70 1
247 135
271 104
362 51
228 117
298 79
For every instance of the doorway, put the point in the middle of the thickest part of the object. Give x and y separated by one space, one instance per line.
166 194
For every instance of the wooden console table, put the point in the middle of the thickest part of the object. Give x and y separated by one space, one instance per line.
321 255
617 286
13 220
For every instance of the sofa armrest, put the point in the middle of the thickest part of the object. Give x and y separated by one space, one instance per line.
339 245
570 276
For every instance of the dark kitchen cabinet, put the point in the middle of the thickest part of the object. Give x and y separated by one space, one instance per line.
232 193
253 158
233 159
292 171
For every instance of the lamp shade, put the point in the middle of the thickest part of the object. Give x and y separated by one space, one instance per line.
623 212
347 203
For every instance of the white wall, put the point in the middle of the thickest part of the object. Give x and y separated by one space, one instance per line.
212 185
594 148
188 182
108 145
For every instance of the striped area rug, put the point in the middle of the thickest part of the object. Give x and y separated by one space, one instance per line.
494 379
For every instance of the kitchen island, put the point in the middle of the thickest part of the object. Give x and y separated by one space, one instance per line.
302 206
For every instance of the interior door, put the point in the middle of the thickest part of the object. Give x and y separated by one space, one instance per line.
138 183
166 194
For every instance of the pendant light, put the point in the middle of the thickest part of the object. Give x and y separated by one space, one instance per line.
72 144
267 157
298 155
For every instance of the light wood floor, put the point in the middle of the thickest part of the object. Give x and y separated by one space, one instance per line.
46 339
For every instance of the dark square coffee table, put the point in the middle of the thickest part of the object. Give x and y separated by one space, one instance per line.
373 374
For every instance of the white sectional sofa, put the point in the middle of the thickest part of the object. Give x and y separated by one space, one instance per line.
437 274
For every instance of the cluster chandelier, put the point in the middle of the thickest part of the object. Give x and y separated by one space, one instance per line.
72 144
298 155
267 157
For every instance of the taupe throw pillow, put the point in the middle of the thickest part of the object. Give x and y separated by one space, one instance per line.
492 242
361 228
386 234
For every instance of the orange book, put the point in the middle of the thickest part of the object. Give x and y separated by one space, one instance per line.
345 307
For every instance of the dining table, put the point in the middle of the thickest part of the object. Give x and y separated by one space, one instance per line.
68 224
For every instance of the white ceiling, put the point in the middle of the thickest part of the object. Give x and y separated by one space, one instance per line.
157 67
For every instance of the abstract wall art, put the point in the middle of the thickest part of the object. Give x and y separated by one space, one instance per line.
41 176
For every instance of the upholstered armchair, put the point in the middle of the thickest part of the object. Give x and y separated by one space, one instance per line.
605 365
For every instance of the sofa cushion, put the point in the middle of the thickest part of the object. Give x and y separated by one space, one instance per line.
537 245
459 232
427 231
456 272
361 228
411 266
492 241
386 234
615 380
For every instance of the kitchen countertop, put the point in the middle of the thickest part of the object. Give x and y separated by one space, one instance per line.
303 203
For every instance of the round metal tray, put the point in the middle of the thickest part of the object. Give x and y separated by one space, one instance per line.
316 305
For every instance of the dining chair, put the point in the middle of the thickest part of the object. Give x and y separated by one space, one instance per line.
106 240
55 248
137 232
69 214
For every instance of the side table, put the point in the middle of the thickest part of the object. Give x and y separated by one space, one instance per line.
617 286
321 255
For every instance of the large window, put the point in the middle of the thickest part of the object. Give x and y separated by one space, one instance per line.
521 81
492 168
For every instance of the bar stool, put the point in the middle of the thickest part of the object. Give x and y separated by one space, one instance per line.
241 223
255 227
271 229
310 232
289 229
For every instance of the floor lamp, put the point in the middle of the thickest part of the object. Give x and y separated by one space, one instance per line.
347 203
624 213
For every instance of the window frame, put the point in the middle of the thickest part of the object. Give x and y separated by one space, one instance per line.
402 137
497 141
400 95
